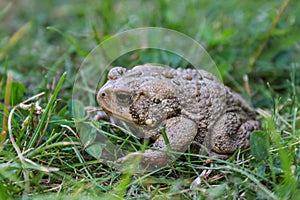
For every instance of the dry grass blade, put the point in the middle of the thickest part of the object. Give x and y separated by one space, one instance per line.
6 107
14 39
16 147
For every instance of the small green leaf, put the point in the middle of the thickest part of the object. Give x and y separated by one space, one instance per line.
76 108
217 191
260 145
87 134
95 150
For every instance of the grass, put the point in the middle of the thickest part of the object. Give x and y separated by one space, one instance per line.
42 46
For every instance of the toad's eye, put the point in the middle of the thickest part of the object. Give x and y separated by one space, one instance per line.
124 98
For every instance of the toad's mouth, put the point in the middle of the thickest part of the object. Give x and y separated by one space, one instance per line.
120 116
132 128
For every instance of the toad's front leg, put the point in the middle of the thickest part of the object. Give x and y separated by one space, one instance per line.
180 132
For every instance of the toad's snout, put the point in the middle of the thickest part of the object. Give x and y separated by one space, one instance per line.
103 97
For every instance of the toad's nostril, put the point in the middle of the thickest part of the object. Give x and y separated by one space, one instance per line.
103 94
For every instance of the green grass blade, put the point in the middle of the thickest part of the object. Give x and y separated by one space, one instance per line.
71 40
43 121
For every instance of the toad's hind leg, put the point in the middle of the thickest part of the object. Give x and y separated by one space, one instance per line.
230 132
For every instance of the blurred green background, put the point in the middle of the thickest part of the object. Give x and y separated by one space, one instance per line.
57 35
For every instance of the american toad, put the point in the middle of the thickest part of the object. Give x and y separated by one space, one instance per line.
191 106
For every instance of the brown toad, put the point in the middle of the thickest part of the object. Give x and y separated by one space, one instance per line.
191 106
